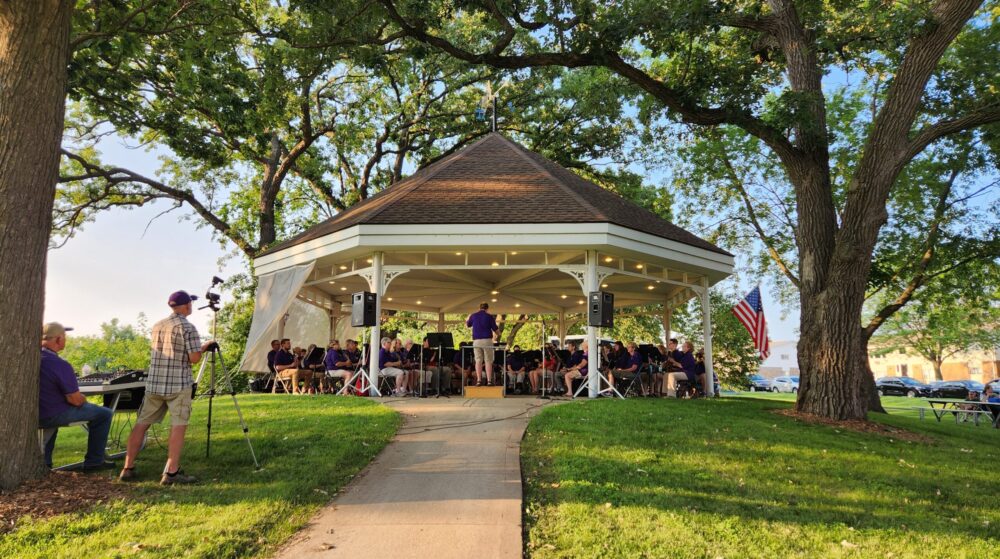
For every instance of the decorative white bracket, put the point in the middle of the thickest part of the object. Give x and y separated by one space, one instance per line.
579 275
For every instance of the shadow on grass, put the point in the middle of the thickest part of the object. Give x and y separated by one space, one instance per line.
309 449
734 459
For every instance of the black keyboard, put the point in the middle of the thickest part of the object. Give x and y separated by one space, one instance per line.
118 377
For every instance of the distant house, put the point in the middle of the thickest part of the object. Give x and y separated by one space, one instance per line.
977 365
782 361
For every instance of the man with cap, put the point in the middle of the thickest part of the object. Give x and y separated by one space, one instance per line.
175 347
61 403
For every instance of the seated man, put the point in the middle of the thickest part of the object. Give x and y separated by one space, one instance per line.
336 365
548 368
689 367
576 367
312 360
61 403
515 369
287 366
627 366
389 364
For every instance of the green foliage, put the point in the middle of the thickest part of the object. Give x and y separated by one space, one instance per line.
728 478
309 451
733 354
234 324
950 318
120 346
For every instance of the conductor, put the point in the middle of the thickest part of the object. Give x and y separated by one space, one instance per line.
484 328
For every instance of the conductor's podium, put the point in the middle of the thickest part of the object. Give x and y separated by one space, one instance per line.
484 392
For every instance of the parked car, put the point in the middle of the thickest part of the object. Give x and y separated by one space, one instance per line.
759 383
785 384
958 389
901 386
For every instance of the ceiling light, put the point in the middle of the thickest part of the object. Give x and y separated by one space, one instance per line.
332 282
458 254
343 289
564 295
604 285
420 302
388 298
650 287
517 305
343 267
493 300
514 253
638 266
609 259
369 260
579 302
495 264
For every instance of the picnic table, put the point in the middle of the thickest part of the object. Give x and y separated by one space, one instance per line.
942 406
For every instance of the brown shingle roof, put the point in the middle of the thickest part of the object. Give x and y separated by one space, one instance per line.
497 181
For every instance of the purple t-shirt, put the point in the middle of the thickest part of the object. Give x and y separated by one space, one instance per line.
635 360
57 379
483 325
384 356
332 357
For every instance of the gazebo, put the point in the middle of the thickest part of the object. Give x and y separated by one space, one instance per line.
492 222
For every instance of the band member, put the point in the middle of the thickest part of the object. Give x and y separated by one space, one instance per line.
288 365
61 403
576 367
628 365
390 364
547 369
312 361
461 366
516 369
336 364
484 329
689 369
175 347
275 346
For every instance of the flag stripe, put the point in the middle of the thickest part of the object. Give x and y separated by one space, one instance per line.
750 313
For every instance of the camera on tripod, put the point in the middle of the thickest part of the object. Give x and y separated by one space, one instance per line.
213 298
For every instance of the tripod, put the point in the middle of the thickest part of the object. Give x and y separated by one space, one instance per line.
216 354
360 372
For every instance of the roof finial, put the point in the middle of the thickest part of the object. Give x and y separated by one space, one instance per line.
489 100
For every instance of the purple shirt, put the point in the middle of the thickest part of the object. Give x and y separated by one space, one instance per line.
575 359
56 380
635 360
385 356
483 325
332 357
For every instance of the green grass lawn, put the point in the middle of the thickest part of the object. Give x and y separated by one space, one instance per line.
726 478
310 447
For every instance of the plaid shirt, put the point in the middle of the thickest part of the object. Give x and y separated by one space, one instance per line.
173 338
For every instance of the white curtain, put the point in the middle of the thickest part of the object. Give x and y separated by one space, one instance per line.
275 294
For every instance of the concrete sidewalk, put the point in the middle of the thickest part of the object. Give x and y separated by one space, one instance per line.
448 485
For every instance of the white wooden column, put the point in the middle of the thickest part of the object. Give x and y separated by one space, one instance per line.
377 285
440 322
706 320
668 318
334 322
590 284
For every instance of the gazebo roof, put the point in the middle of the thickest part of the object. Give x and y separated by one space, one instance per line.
496 180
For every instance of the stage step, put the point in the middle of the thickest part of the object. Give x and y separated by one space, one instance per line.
484 392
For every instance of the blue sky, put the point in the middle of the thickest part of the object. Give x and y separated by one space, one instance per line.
116 267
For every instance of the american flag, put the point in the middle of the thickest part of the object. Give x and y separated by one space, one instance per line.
750 313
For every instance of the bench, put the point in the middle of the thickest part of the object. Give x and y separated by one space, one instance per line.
45 434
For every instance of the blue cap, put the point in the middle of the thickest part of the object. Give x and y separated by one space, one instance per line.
179 298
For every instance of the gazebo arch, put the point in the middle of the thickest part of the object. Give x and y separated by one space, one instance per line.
492 222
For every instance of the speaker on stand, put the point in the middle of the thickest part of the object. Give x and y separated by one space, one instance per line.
363 309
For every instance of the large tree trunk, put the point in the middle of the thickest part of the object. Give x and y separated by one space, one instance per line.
937 370
34 51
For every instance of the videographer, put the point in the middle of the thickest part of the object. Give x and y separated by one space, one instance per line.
176 346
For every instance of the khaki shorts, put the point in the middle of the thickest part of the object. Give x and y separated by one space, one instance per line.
574 375
155 406
483 350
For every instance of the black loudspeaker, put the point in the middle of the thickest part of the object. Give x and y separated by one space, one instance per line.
601 311
363 309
